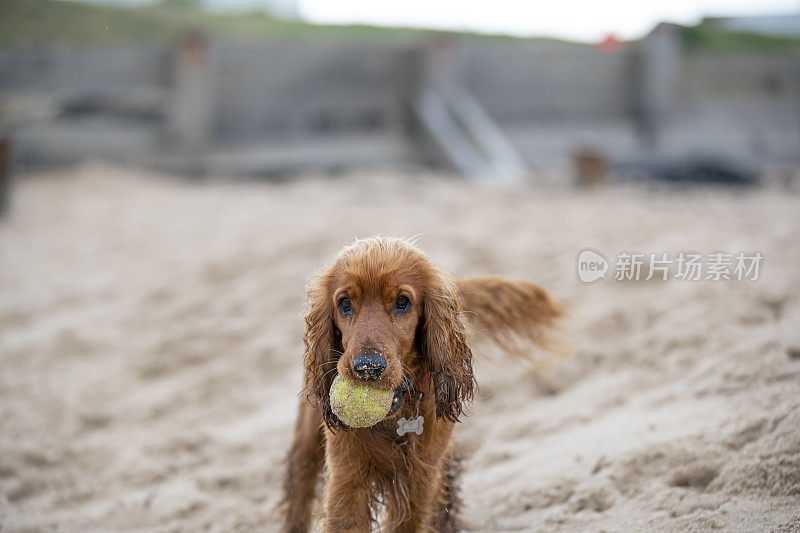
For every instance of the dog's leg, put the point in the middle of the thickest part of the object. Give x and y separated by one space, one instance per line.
445 520
304 463
347 490
433 502
412 507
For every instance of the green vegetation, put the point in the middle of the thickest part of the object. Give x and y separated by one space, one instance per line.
715 39
67 22
24 22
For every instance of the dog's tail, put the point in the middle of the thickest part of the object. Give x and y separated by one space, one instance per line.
513 314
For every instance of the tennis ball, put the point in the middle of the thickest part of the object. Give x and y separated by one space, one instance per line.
359 406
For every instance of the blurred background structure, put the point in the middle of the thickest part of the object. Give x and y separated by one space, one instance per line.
175 87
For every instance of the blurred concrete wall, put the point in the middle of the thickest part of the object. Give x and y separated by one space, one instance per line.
296 89
521 85
277 105
747 104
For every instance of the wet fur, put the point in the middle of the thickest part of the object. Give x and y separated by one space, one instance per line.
414 478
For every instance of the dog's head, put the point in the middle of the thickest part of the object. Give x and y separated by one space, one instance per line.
385 314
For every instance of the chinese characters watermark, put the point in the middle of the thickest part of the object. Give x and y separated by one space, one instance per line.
684 266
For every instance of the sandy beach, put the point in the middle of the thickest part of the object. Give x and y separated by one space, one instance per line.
150 344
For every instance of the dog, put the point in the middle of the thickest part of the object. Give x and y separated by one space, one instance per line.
385 314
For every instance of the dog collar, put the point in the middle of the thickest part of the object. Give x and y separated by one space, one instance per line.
416 424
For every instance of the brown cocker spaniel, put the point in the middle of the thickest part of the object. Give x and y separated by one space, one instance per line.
385 313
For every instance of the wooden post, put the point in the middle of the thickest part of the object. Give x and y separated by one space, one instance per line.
6 179
659 70
191 111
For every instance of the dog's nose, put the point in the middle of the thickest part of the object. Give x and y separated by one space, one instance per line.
369 366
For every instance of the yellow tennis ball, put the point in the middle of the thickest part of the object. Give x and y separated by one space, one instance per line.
359 406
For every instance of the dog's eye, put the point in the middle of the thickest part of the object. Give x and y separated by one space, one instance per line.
344 307
402 304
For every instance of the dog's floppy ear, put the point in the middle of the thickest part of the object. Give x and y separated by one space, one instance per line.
322 346
443 345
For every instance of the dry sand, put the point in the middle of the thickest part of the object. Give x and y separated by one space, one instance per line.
150 340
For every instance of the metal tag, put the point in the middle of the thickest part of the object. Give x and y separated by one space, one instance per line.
413 425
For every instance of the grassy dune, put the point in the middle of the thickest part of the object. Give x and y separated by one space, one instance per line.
32 22
24 22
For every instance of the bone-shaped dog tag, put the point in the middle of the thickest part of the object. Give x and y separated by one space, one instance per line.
412 425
